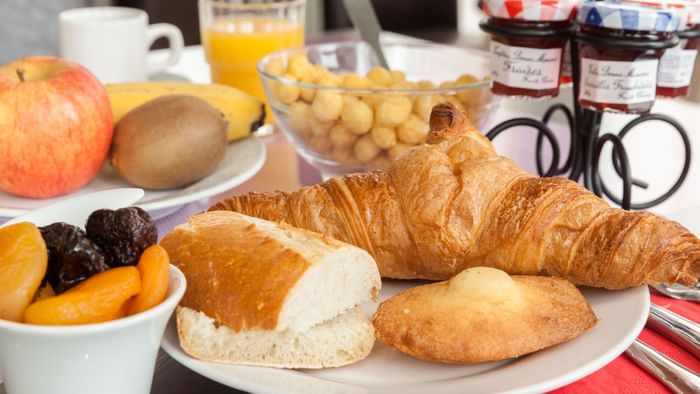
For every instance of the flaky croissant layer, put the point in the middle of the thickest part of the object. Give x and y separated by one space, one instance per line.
454 203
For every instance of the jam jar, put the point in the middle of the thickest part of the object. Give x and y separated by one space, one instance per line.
619 47
527 45
677 63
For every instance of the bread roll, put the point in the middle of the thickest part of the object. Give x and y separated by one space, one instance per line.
343 340
482 315
267 283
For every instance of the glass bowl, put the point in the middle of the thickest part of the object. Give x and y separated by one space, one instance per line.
344 115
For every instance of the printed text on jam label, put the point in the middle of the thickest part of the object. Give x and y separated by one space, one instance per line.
676 67
615 82
525 68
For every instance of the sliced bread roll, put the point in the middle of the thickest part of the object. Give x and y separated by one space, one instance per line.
345 339
270 284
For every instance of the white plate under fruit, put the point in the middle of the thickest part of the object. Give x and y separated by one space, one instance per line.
243 159
621 315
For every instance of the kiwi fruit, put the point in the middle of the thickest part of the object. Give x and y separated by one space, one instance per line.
169 142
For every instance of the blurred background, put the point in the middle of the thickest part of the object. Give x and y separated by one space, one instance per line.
29 27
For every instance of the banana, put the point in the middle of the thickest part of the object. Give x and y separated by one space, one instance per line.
243 112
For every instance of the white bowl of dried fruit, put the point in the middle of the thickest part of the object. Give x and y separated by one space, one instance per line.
345 113
84 310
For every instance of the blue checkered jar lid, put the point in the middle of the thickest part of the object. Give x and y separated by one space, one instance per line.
615 15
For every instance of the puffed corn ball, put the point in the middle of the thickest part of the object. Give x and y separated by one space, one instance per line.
384 137
343 155
423 105
365 149
357 117
397 150
413 130
327 105
354 81
299 117
397 76
329 80
468 96
373 128
320 144
275 67
286 93
340 136
299 67
393 110
379 76
319 127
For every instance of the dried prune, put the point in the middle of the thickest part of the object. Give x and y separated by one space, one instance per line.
122 234
73 257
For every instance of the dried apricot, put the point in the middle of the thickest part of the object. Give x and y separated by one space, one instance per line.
153 266
99 298
23 261
44 292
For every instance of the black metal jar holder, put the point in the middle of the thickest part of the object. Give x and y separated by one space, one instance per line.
586 143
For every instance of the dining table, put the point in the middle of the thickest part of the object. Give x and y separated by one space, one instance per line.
285 170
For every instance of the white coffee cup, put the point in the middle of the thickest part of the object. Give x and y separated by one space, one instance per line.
113 42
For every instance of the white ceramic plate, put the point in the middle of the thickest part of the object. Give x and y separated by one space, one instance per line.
621 314
243 159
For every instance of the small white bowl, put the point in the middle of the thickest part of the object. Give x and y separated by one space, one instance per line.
111 357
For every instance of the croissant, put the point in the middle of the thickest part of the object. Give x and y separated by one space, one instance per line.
453 203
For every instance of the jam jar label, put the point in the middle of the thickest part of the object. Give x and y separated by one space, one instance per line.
676 67
614 82
528 68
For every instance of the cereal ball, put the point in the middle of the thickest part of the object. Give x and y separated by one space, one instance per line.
403 85
285 93
397 76
423 105
381 161
447 84
365 149
393 110
327 105
320 144
343 155
469 96
384 137
275 67
298 66
320 127
379 76
329 80
413 131
349 98
372 99
299 116
341 137
307 94
397 150
425 84
354 81
357 117
466 79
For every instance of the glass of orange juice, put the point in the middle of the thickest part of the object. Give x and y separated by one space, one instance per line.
236 34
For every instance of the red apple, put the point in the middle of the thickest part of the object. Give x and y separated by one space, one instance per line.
55 127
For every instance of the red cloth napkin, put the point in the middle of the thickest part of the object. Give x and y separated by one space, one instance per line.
623 376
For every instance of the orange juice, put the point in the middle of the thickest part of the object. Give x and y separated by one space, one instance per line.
234 46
